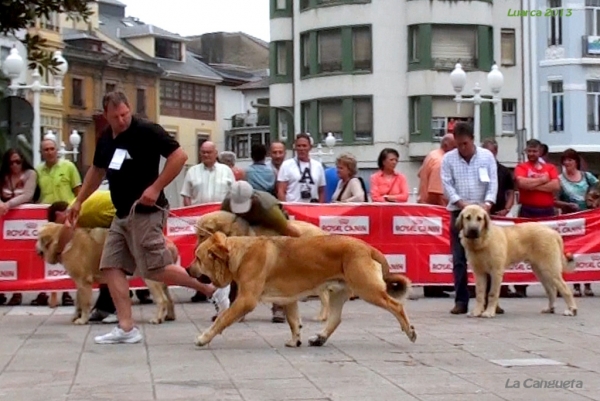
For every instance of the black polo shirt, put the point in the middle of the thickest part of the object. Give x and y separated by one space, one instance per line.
132 162
505 183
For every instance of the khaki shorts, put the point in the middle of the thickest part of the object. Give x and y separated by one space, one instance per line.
137 242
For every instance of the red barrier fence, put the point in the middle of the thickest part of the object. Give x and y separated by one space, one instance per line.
414 238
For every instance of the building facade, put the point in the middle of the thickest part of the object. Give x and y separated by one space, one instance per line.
377 73
567 47
95 68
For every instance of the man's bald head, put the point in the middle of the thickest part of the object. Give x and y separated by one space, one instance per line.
208 154
447 143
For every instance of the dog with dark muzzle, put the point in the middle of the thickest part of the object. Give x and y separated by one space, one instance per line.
490 249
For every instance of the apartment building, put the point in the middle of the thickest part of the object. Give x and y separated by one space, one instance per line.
566 83
377 73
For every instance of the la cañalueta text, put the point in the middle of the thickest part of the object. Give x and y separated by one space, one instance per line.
536 383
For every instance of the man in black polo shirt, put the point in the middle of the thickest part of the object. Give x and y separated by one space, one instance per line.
506 192
128 153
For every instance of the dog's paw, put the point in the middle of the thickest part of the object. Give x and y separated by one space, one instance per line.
170 318
570 312
476 313
156 320
202 340
412 334
488 314
293 343
317 341
548 310
80 321
321 318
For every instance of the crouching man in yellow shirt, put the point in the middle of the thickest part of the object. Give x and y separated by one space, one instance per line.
97 211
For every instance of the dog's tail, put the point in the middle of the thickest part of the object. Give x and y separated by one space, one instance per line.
568 260
397 285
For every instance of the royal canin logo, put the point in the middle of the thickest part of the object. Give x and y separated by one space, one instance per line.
351 225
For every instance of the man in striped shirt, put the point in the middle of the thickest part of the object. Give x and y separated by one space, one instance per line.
469 176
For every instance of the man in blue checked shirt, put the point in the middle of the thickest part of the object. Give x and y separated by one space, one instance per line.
469 175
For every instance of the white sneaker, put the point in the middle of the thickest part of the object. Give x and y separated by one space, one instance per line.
221 299
118 336
110 319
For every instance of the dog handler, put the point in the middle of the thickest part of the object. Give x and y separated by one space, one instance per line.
258 208
128 153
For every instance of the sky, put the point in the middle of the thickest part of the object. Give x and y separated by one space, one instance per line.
195 17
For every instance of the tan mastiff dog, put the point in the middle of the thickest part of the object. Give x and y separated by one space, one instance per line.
233 226
285 269
490 249
81 260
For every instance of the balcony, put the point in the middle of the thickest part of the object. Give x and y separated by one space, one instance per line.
249 120
448 64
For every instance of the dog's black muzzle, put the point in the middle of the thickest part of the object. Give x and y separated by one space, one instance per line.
472 233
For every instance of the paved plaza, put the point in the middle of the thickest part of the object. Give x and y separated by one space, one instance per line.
44 357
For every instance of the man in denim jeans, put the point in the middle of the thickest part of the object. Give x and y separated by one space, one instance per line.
469 176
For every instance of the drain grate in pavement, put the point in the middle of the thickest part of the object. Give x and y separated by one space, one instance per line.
507 363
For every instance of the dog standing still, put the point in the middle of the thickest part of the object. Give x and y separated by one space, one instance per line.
285 269
81 260
490 249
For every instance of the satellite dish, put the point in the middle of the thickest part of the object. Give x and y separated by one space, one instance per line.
16 124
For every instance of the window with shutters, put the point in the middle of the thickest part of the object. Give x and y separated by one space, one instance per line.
509 116
507 47
452 44
349 119
343 50
593 106
187 100
330 50
281 51
77 96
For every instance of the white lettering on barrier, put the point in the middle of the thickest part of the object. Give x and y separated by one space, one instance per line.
397 263
352 225
503 223
21 229
567 227
587 262
417 225
55 271
181 226
8 270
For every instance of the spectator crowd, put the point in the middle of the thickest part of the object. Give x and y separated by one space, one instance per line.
457 173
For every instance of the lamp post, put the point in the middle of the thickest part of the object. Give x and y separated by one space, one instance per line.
13 67
458 78
74 139
330 142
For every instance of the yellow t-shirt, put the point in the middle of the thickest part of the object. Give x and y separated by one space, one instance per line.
97 211
58 182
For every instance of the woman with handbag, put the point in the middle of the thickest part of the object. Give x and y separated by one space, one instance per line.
387 185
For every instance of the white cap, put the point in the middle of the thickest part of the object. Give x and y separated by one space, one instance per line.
240 197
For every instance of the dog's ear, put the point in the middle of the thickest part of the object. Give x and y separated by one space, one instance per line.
487 221
459 222
219 246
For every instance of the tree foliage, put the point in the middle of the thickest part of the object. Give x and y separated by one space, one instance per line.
16 15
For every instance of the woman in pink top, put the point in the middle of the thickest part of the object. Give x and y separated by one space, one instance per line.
387 185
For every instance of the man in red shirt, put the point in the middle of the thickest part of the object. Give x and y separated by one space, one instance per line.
537 183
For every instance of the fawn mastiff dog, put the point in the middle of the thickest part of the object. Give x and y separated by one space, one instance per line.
233 226
490 249
81 260
284 269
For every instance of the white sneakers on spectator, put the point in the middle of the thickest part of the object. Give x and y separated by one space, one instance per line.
110 319
118 336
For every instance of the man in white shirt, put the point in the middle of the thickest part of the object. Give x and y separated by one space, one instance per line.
301 179
207 182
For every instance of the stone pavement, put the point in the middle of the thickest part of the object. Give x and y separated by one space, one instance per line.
44 357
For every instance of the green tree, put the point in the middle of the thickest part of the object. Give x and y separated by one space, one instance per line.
22 14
